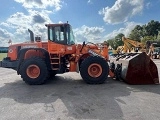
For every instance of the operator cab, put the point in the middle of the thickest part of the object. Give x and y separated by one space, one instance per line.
61 34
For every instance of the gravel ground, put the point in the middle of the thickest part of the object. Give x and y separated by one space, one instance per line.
67 97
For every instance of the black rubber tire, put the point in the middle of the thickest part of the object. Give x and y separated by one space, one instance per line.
43 71
118 71
84 70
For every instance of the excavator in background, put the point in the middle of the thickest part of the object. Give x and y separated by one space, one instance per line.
153 49
36 60
130 46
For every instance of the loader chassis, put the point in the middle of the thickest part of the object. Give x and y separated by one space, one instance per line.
36 61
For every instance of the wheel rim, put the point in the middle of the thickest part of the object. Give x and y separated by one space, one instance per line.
33 71
95 70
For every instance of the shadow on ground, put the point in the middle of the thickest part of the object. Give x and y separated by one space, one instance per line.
81 100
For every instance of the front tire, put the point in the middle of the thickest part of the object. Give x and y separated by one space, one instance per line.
94 70
34 71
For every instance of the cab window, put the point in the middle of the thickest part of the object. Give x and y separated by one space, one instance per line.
59 34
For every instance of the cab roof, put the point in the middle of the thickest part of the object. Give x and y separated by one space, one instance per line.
59 24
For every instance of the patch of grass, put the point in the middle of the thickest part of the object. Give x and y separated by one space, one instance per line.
3 55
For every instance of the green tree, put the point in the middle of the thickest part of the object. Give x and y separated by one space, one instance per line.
141 32
136 33
152 28
117 41
147 38
111 42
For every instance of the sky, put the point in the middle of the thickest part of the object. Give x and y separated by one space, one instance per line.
91 20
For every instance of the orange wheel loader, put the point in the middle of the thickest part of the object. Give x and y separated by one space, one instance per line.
36 61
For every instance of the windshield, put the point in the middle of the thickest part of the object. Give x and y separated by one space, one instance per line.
57 34
61 34
70 36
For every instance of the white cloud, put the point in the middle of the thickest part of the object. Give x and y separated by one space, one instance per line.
90 1
4 33
60 22
95 34
148 5
125 30
4 37
20 23
41 3
121 11
19 19
88 34
5 24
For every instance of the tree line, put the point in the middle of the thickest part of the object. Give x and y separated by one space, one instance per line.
140 33
3 49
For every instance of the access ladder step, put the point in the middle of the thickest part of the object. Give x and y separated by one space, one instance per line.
55 61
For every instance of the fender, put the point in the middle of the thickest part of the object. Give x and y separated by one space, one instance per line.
81 58
93 53
22 52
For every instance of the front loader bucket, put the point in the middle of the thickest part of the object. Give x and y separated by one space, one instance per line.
136 68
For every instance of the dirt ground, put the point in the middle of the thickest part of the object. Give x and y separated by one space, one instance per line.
67 97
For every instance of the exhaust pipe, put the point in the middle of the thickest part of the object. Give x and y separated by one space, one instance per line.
31 35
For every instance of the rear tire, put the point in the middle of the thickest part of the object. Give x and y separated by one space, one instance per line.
34 71
94 70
